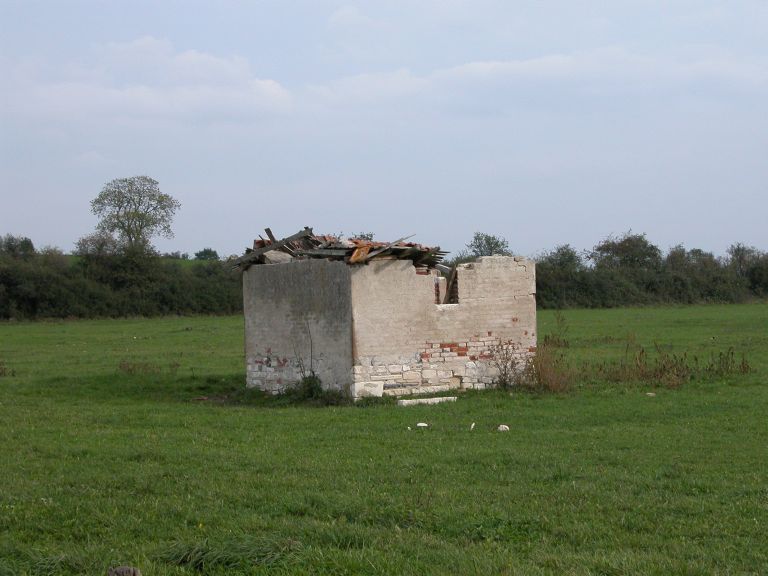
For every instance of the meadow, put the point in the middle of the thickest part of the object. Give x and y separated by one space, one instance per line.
110 455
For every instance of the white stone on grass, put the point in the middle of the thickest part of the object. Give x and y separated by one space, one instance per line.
422 425
503 428
417 401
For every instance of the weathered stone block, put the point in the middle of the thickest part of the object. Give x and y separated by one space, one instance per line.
365 389
412 376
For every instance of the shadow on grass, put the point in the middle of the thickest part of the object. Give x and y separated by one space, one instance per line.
159 386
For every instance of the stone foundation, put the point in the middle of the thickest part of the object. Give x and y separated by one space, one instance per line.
436 367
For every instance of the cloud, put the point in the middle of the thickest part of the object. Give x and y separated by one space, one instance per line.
615 64
155 62
144 78
366 88
599 73
350 18
149 78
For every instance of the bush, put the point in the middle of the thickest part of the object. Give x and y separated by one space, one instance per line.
665 368
544 371
96 284
310 390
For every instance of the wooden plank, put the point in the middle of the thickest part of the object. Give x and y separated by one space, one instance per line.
244 261
427 258
272 239
323 252
385 248
404 251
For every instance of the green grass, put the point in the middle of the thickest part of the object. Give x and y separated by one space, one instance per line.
103 467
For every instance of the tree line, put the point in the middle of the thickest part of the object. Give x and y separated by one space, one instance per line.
116 271
101 281
106 279
630 270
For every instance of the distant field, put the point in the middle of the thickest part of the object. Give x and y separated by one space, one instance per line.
107 459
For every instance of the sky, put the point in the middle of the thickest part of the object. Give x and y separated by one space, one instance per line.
543 122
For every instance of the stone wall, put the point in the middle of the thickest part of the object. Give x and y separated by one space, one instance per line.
375 329
403 343
298 317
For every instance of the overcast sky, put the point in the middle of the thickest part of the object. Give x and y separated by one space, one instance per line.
546 122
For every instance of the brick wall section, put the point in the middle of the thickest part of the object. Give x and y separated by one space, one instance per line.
297 315
402 342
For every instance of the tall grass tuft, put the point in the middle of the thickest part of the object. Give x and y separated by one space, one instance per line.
53 565
4 370
132 368
559 338
665 369
243 553
545 371
309 390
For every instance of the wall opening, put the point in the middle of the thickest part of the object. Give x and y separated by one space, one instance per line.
450 288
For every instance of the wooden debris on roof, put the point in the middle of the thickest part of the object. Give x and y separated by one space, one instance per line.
305 244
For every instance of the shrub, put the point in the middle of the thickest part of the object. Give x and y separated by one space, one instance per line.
544 371
559 338
310 390
665 368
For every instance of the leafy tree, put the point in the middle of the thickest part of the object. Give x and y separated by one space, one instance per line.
207 254
488 245
758 276
563 258
19 247
627 269
98 244
628 252
53 258
134 210
481 245
694 275
559 278
742 257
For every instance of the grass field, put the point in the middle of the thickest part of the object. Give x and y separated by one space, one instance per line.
107 459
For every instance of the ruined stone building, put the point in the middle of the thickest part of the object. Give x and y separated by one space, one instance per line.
372 318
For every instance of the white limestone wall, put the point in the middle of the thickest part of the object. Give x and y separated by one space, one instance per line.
403 343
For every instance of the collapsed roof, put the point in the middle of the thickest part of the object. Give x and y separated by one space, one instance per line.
305 244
